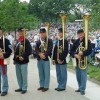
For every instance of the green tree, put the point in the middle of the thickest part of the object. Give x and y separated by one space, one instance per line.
14 14
47 9
95 15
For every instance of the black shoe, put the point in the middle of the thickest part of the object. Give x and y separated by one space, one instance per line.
41 88
0 91
18 90
45 89
77 90
56 88
82 92
4 93
60 89
23 91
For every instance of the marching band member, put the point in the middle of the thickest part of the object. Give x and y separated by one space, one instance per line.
21 59
81 74
59 59
3 67
44 50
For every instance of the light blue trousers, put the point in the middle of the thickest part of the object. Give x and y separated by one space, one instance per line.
61 73
44 73
81 76
4 80
21 73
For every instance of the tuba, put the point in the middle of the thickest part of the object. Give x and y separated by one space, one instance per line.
82 63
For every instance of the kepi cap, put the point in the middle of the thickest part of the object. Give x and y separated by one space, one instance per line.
20 29
80 31
42 30
60 30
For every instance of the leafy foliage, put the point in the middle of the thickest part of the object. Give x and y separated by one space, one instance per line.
14 13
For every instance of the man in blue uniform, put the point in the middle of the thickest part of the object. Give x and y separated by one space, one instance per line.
81 74
5 52
44 49
59 58
21 58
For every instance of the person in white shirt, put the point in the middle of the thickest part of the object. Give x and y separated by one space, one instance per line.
36 38
10 38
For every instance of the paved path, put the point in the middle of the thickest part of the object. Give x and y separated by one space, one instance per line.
92 92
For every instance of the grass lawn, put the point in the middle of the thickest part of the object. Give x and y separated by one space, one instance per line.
93 71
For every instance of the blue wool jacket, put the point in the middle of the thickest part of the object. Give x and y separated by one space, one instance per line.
28 50
63 53
8 47
74 50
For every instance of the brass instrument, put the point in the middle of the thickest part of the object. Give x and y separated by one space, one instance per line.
59 51
63 17
21 50
1 51
83 61
7 60
47 33
22 46
24 36
61 48
44 44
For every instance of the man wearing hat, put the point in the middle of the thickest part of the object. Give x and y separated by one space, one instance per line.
21 59
59 59
5 52
81 74
44 49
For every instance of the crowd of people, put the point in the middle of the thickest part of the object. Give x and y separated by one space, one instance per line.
71 36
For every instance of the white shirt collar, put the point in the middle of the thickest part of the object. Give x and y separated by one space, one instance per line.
60 38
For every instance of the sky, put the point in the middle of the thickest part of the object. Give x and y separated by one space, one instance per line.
25 0
22 0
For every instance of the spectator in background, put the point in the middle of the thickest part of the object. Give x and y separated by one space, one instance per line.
91 56
97 48
10 38
36 37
